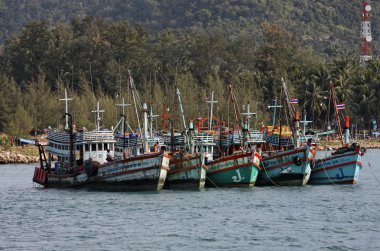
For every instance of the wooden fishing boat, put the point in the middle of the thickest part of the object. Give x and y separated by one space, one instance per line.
234 168
239 169
344 164
342 167
187 171
90 169
291 167
285 161
188 153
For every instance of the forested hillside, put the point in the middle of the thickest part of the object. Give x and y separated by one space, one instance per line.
320 23
172 44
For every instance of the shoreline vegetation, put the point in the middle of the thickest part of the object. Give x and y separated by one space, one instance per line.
28 154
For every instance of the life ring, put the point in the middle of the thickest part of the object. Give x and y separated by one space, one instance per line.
297 160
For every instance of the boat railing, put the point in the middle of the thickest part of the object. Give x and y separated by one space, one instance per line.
96 136
64 137
204 138
255 137
59 137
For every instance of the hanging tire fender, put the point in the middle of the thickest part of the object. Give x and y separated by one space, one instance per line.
297 160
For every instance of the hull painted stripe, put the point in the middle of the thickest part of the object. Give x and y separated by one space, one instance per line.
183 169
335 157
283 154
281 164
237 156
336 166
229 168
131 171
174 162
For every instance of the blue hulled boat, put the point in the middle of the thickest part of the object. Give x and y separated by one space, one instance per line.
342 167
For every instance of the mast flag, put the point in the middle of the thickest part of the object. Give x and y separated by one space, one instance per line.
294 101
340 107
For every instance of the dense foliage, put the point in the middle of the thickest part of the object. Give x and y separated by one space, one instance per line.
320 23
92 58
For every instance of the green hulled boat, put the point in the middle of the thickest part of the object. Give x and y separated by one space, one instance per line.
237 170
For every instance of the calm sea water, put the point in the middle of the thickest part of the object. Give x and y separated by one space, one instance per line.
268 218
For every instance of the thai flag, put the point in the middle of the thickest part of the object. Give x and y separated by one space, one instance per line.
340 107
294 101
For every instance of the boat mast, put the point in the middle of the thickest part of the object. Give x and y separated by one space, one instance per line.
66 109
248 116
211 102
122 120
71 148
181 109
191 136
336 112
246 124
297 129
347 131
151 117
305 122
97 116
145 138
199 123
274 111
136 98
287 97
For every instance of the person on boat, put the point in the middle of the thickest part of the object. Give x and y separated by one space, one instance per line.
78 158
155 147
109 156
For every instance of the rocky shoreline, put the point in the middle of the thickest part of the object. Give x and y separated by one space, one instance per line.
19 155
7 157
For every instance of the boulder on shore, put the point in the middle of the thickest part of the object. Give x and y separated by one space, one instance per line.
8 157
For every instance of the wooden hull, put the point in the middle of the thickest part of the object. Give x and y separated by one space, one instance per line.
238 170
337 169
186 172
141 173
287 168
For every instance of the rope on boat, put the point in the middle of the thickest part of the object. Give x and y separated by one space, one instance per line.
370 167
324 169
212 182
265 169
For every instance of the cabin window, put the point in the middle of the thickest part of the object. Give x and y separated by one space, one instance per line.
86 147
93 147
100 147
